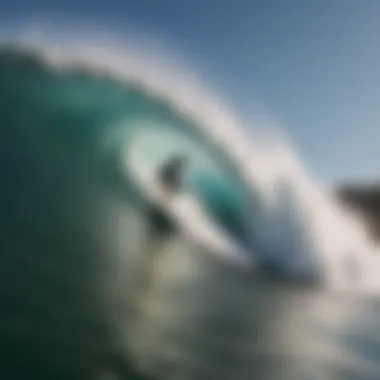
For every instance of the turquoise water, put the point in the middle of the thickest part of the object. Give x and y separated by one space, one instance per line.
99 117
86 286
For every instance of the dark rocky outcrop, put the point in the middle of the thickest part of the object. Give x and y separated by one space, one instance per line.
365 200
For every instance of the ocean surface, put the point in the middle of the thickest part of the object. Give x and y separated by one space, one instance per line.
270 279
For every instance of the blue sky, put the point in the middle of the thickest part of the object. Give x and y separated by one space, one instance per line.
314 65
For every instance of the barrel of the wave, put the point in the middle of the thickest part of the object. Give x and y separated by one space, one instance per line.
160 149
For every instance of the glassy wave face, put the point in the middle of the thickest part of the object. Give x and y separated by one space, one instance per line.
97 272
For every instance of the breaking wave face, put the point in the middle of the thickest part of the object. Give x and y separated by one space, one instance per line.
78 123
110 105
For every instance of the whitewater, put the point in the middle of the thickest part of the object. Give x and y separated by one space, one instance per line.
249 203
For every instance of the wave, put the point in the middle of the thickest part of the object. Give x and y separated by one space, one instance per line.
111 106
81 128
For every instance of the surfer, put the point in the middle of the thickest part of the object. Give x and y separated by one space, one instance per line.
171 174
170 180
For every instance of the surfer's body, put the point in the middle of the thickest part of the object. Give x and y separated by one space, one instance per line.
171 175
170 182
